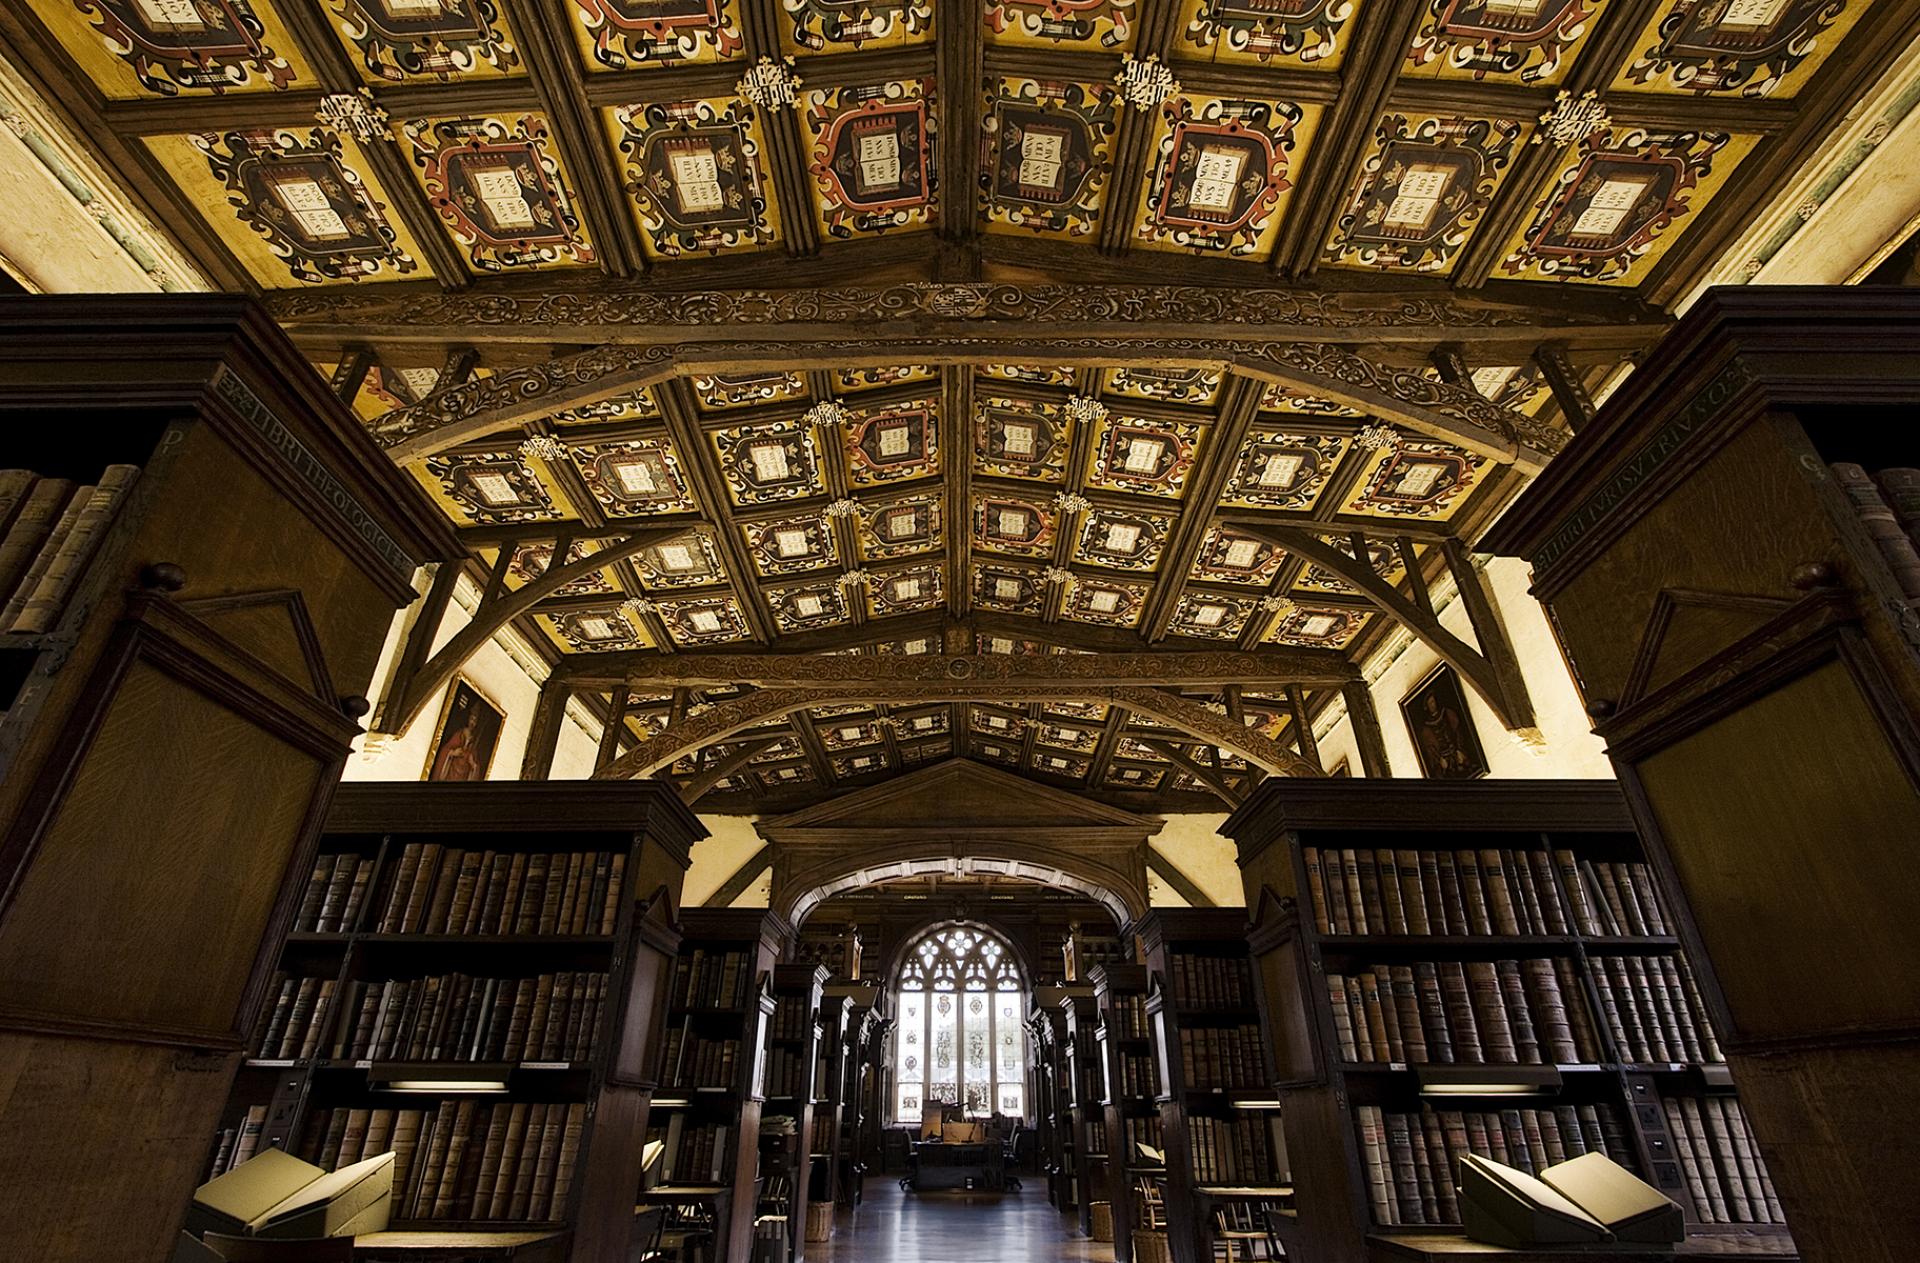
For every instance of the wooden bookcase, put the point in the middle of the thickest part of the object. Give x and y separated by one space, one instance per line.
1086 1117
1749 657
1129 1092
194 700
424 922
1375 1138
1085 949
1216 1126
827 1184
794 1086
721 995
863 1110
1052 1110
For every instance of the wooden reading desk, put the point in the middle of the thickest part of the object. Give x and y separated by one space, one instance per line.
539 1246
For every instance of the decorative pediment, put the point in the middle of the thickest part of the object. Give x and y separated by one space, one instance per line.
962 796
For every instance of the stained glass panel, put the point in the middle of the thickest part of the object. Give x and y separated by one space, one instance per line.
960 1039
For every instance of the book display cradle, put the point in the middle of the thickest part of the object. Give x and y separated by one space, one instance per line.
1497 975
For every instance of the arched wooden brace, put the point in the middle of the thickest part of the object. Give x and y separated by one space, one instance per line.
497 613
1488 670
1199 771
719 722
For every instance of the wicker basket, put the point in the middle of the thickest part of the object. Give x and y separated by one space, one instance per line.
1150 1247
819 1221
1101 1216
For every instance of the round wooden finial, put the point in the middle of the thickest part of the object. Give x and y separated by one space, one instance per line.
162 576
1602 707
1815 574
352 705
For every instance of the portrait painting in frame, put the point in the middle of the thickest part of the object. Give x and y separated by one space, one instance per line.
468 732
1442 728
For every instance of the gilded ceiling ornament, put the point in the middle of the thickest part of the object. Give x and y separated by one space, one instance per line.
1147 83
543 447
1376 436
828 412
355 113
636 606
1071 502
846 506
1573 119
1056 574
855 579
1085 410
771 84
1277 605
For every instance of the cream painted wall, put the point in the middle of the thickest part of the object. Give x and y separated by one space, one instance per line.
1561 745
1192 844
730 842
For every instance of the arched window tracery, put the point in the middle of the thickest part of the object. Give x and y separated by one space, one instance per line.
959 1000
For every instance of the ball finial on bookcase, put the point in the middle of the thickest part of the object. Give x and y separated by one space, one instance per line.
163 576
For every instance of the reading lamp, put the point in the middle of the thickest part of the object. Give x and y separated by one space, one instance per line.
1488 1081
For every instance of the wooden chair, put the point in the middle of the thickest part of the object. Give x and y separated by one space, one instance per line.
1152 1202
267 1250
686 1233
772 1218
1240 1227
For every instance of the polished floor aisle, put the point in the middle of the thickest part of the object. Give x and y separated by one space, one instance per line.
892 1226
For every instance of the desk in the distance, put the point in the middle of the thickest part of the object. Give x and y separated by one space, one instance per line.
1710 1247
448 1247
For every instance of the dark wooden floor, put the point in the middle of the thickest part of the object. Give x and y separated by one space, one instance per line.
891 1226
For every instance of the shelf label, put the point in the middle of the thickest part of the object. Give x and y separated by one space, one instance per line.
365 1063
546 1065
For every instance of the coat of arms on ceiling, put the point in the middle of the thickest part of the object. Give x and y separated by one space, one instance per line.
1123 540
1105 24
900 528
892 444
1611 207
1106 602
1010 589
204 45
532 561
872 156
1020 438
1010 524
770 462
1144 456
1317 627
1219 171
634 476
1752 47
790 545
905 590
1198 386
1422 190
849 25
620 34
498 187
1211 616
297 190
1044 150
1268 30
694 171
1415 479
1533 39
491 488
1284 471
443 39
596 629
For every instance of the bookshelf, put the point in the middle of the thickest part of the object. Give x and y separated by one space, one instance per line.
1086 1149
796 1084
713 1067
1742 633
1219 1121
1085 948
181 692
1483 967
864 1108
1052 1111
482 969
1129 1092
837 947
828 1181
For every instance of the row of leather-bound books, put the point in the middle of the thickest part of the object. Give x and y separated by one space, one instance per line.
1525 1012
1139 1076
1130 1015
49 532
1478 892
786 1072
792 1017
444 1017
462 1159
692 1061
1231 1150
1210 982
1223 1056
449 890
693 1152
1721 1161
1412 1159
1653 1008
705 979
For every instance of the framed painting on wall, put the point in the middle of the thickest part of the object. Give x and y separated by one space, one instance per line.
1442 728
468 732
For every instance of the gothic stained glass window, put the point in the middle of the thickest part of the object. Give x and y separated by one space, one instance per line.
960 1041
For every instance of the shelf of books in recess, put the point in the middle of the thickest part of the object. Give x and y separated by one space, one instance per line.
1129 1091
1540 986
449 1002
829 1105
1086 1093
68 513
1052 1113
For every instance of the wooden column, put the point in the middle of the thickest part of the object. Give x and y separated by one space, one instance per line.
544 736
1367 736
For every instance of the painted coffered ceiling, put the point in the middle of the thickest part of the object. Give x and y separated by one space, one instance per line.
890 328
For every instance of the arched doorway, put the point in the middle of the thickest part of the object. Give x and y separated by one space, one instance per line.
960 1001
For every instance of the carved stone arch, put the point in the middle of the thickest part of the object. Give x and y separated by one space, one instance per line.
960 818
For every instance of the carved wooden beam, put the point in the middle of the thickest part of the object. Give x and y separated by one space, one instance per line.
426 625
1492 683
496 614
697 786
1199 771
1167 871
543 737
1275 666
1367 737
717 723
743 877
612 734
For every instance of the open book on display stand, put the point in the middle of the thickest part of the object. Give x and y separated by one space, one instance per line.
1588 1199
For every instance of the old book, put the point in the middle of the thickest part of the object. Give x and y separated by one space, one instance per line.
1382 1049
29 540
308 914
1372 1129
1451 899
1433 1014
446 882
1393 917
275 1026
555 887
1490 1013
406 1140
508 914
1356 897
1896 548
499 1200
356 896
15 485
1462 1021
420 893
1473 893
1682 1143
1412 894
309 1045
1553 912
616 886
1406 1003
339 881
298 1016
1506 1206
465 886
533 893
553 1132
62 575
1316 889
1370 899
1513 996
1409 1182
449 1166
1576 892
1733 1181
523 1174
1551 1029
1605 899
394 906
335 1137
1343 1031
